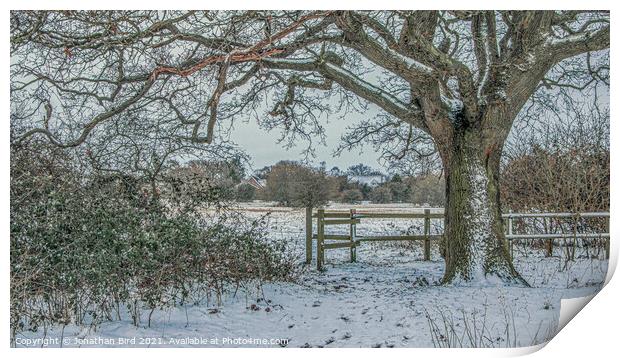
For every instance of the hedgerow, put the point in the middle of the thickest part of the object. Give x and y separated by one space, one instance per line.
87 248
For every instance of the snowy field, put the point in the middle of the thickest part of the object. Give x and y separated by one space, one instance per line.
389 298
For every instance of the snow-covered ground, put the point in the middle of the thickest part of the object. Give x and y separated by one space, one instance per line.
389 298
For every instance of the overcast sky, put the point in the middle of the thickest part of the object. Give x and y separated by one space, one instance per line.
264 150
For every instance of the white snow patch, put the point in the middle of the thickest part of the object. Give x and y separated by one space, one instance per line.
573 38
485 76
529 62
413 64
296 61
480 226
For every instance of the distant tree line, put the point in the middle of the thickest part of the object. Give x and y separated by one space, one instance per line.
542 178
293 183
557 168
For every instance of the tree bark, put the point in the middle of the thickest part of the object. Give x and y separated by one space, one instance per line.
474 245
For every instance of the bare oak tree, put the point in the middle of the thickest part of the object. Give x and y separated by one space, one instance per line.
459 78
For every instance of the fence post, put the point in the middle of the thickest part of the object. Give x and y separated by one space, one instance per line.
607 241
427 232
549 242
352 235
308 235
319 238
510 242
571 255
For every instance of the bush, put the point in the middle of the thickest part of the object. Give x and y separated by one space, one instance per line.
400 191
83 253
245 192
293 184
553 180
352 196
381 195
427 190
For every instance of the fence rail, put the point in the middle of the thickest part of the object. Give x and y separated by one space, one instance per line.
352 240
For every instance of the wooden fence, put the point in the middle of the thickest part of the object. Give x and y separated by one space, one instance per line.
352 217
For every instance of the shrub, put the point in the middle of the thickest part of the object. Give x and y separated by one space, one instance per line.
352 196
83 253
427 190
381 195
245 192
399 190
549 179
293 184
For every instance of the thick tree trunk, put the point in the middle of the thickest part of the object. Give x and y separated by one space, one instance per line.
474 245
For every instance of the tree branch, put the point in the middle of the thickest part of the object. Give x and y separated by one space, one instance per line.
351 82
